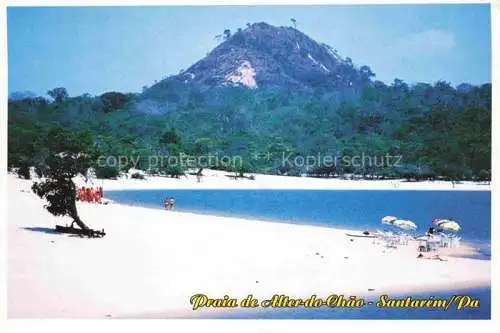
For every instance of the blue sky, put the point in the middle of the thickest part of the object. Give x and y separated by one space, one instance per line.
98 49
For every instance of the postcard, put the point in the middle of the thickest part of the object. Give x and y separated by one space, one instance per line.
249 162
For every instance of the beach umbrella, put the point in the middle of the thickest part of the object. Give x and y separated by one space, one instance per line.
448 225
405 224
389 219
436 221
439 221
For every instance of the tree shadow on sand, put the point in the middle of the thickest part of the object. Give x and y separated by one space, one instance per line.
51 231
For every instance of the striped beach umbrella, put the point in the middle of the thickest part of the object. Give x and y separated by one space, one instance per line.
389 219
448 225
405 224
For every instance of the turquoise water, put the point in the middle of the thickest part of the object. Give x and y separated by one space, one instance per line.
345 209
360 210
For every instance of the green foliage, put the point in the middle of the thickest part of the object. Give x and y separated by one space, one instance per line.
484 175
112 101
60 193
58 94
137 175
169 137
106 172
174 171
23 171
437 129
68 154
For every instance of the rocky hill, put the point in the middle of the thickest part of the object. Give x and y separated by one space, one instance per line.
265 56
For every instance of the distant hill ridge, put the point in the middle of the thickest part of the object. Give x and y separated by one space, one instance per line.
265 56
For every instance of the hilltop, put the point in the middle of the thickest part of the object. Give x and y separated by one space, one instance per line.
263 56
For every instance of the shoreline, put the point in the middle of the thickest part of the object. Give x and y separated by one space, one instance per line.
214 179
152 261
471 249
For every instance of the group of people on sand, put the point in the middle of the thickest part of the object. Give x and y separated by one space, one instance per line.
169 203
90 194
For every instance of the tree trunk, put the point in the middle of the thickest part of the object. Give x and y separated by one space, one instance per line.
79 222
73 213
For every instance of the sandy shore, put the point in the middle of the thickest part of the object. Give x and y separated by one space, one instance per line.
220 180
151 262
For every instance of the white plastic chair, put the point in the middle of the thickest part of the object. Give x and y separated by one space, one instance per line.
445 241
455 242
433 244
405 238
381 237
391 240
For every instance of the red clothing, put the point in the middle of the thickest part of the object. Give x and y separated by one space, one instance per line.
97 196
88 195
81 194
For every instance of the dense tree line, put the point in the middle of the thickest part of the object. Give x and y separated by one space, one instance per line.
438 130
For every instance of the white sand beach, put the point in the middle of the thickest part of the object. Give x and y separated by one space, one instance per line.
151 261
214 179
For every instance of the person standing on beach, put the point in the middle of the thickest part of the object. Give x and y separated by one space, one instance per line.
81 194
169 203
88 194
97 196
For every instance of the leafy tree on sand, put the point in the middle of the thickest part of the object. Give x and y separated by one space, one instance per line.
69 154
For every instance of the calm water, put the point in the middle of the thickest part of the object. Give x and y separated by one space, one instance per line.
345 209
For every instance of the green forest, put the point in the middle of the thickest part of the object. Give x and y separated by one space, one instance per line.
439 131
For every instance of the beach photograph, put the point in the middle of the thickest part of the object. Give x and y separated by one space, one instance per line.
317 162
